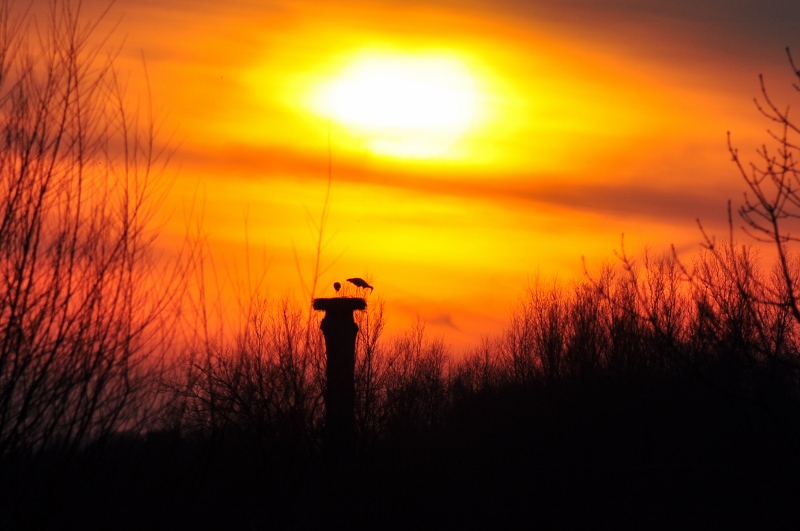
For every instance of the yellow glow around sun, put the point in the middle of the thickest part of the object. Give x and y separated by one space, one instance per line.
408 107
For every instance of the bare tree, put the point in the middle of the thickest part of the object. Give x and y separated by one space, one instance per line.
260 387
771 206
370 372
84 301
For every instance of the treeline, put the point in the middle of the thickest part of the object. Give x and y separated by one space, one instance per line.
658 327
649 385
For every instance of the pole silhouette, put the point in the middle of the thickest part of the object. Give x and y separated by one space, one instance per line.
340 331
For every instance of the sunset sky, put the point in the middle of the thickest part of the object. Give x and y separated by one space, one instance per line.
474 145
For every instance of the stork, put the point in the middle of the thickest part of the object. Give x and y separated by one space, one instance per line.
360 282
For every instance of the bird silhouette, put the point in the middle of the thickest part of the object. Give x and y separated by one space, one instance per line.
360 282
337 286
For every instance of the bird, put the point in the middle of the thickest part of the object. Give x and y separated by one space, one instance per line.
360 282
337 286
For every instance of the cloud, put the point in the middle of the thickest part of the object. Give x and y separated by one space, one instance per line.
720 27
623 200
648 198
444 320
725 24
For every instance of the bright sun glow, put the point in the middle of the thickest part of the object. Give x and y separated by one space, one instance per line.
409 107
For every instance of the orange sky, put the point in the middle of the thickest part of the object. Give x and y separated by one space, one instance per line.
588 120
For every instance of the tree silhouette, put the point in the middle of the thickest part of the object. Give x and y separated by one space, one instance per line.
84 301
771 208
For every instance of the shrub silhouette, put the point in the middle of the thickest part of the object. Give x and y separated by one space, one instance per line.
264 389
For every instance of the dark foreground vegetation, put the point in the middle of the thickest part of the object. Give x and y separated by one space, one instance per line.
653 398
654 391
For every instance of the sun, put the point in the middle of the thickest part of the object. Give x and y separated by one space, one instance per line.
407 107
